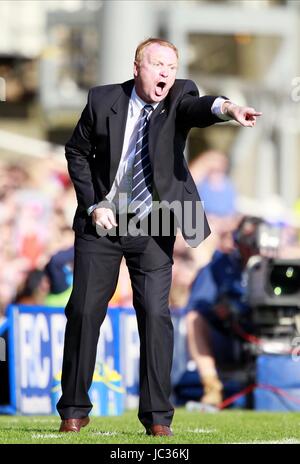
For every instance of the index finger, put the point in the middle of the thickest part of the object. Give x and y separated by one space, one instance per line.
253 112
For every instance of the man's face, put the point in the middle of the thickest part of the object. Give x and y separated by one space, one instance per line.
156 73
226 244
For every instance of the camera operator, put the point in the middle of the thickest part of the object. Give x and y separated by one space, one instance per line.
216 299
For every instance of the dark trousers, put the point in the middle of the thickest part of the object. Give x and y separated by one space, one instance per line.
96 270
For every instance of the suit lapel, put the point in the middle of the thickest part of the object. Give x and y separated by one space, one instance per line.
117 124
158 118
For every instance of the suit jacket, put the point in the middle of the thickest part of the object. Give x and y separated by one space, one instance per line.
94 150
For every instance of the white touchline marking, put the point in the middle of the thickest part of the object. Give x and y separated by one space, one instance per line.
105 433
268 442
47 435
51 421
202 430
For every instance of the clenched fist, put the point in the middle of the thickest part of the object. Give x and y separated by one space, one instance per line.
104 217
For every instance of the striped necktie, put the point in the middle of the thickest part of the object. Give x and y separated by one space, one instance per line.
141 200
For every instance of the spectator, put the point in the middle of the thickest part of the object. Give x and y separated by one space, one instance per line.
210 172
34 290
215 187
183 273
216 297
60 274
41 194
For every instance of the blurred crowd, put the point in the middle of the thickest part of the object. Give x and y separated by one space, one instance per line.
37 204
36 211
36 207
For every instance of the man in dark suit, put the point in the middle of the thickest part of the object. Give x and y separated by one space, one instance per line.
126 153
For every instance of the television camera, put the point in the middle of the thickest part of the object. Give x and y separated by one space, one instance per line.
273 291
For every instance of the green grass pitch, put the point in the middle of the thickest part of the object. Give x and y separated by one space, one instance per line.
234 426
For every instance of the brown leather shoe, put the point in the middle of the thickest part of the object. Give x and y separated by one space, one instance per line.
73 425
159 431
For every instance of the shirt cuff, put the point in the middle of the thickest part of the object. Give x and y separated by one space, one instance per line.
216 109
91 209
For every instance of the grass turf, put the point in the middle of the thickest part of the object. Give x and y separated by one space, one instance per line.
189 427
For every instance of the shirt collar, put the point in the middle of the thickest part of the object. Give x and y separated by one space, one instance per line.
137 104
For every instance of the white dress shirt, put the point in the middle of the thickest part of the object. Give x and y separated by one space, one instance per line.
123 180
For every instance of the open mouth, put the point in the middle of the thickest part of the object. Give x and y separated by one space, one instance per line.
160 86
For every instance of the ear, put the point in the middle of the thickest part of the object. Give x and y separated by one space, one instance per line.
135 69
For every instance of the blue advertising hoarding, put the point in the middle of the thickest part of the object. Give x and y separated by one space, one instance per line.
35 339
35 351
